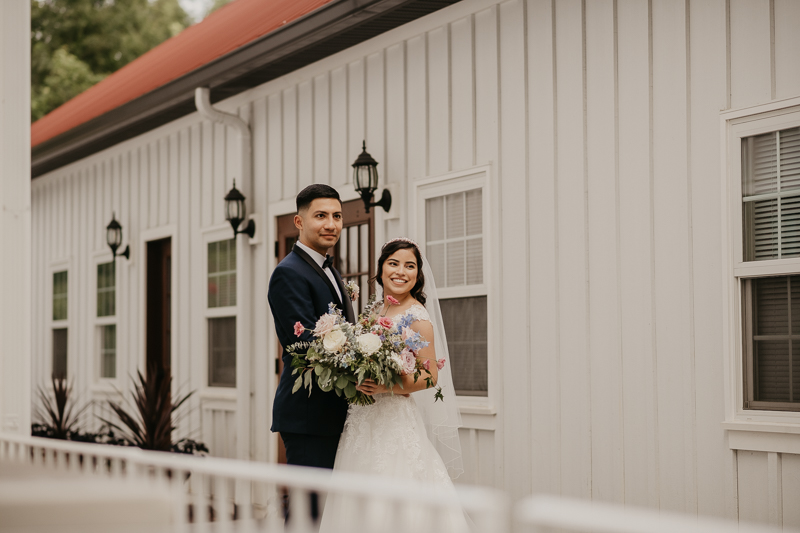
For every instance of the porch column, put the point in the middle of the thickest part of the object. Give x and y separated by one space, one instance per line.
15 216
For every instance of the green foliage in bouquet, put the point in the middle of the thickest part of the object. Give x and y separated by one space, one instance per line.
343 355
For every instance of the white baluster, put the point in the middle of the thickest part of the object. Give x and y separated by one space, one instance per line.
222 501
299 511
181 509
200 504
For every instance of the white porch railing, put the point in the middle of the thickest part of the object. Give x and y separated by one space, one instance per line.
208 494
538 514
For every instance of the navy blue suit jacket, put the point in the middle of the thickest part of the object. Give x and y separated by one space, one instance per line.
300 291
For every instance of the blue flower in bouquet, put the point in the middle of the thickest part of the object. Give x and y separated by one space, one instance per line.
414 340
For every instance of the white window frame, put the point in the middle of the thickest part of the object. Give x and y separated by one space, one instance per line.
101 383
749 429
60 266
217 233
455 182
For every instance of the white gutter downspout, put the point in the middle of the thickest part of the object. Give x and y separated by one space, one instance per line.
244 298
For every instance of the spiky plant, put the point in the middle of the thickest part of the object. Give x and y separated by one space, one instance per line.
150 424
57 415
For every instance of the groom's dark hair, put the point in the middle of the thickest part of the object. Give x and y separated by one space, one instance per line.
312 192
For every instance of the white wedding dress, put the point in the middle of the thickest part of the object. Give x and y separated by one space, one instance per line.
388 438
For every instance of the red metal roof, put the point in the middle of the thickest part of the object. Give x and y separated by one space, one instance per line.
225 30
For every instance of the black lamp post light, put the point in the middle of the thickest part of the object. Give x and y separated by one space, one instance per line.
236 212
114 238
365 179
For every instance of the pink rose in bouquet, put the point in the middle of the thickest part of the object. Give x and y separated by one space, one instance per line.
298 328
409 361
325 324
392 300
385 322
440 364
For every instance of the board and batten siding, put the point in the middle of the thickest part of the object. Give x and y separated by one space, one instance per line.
599 124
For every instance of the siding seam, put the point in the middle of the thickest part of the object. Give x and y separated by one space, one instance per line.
690 222
618 246
556 253
586 240
772 65
653 329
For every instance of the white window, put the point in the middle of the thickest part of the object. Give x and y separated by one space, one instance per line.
221 313
106 319
59 324
763 183
454 229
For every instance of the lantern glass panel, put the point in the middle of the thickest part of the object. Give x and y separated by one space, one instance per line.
366 177
114 237
235 209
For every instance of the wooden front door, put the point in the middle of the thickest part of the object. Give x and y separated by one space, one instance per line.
159 296
354 254
354 258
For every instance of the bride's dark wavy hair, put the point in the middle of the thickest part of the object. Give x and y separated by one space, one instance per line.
391 247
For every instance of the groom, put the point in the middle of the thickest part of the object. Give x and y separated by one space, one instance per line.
300 289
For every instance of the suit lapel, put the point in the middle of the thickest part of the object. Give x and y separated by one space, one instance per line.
307 258
349 314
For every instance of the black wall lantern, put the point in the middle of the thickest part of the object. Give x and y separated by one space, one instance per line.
114 238
365 179
235 212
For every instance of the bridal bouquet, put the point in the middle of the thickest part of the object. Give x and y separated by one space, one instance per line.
343 355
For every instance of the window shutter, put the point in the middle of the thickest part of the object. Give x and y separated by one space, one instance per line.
222 352
776 317
222 273
60 295
454 236
772 195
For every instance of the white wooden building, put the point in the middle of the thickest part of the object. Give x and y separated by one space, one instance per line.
626 253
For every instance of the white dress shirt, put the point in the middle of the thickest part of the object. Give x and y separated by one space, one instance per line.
319 258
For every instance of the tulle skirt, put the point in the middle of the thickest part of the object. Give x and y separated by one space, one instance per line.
388 439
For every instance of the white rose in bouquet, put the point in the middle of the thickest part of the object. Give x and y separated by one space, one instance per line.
334 340
369 343
397 360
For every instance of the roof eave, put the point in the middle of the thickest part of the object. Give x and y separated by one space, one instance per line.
330 29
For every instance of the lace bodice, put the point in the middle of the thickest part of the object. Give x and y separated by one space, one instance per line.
418 311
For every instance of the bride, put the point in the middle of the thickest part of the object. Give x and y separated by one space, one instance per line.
405 433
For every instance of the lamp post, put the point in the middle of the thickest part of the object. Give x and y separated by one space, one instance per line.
365 179
236 212
114 238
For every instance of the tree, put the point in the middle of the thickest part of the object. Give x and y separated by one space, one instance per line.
77 43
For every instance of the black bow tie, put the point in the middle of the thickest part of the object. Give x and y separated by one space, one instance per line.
328 263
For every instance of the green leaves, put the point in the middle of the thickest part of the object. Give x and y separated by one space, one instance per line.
350 390
76 43
297 384
307 379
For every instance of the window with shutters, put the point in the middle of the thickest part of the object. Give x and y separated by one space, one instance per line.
221 313
222 273
454 241
106 320
764 229
59 324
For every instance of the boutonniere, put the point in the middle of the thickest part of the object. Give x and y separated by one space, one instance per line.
353 290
